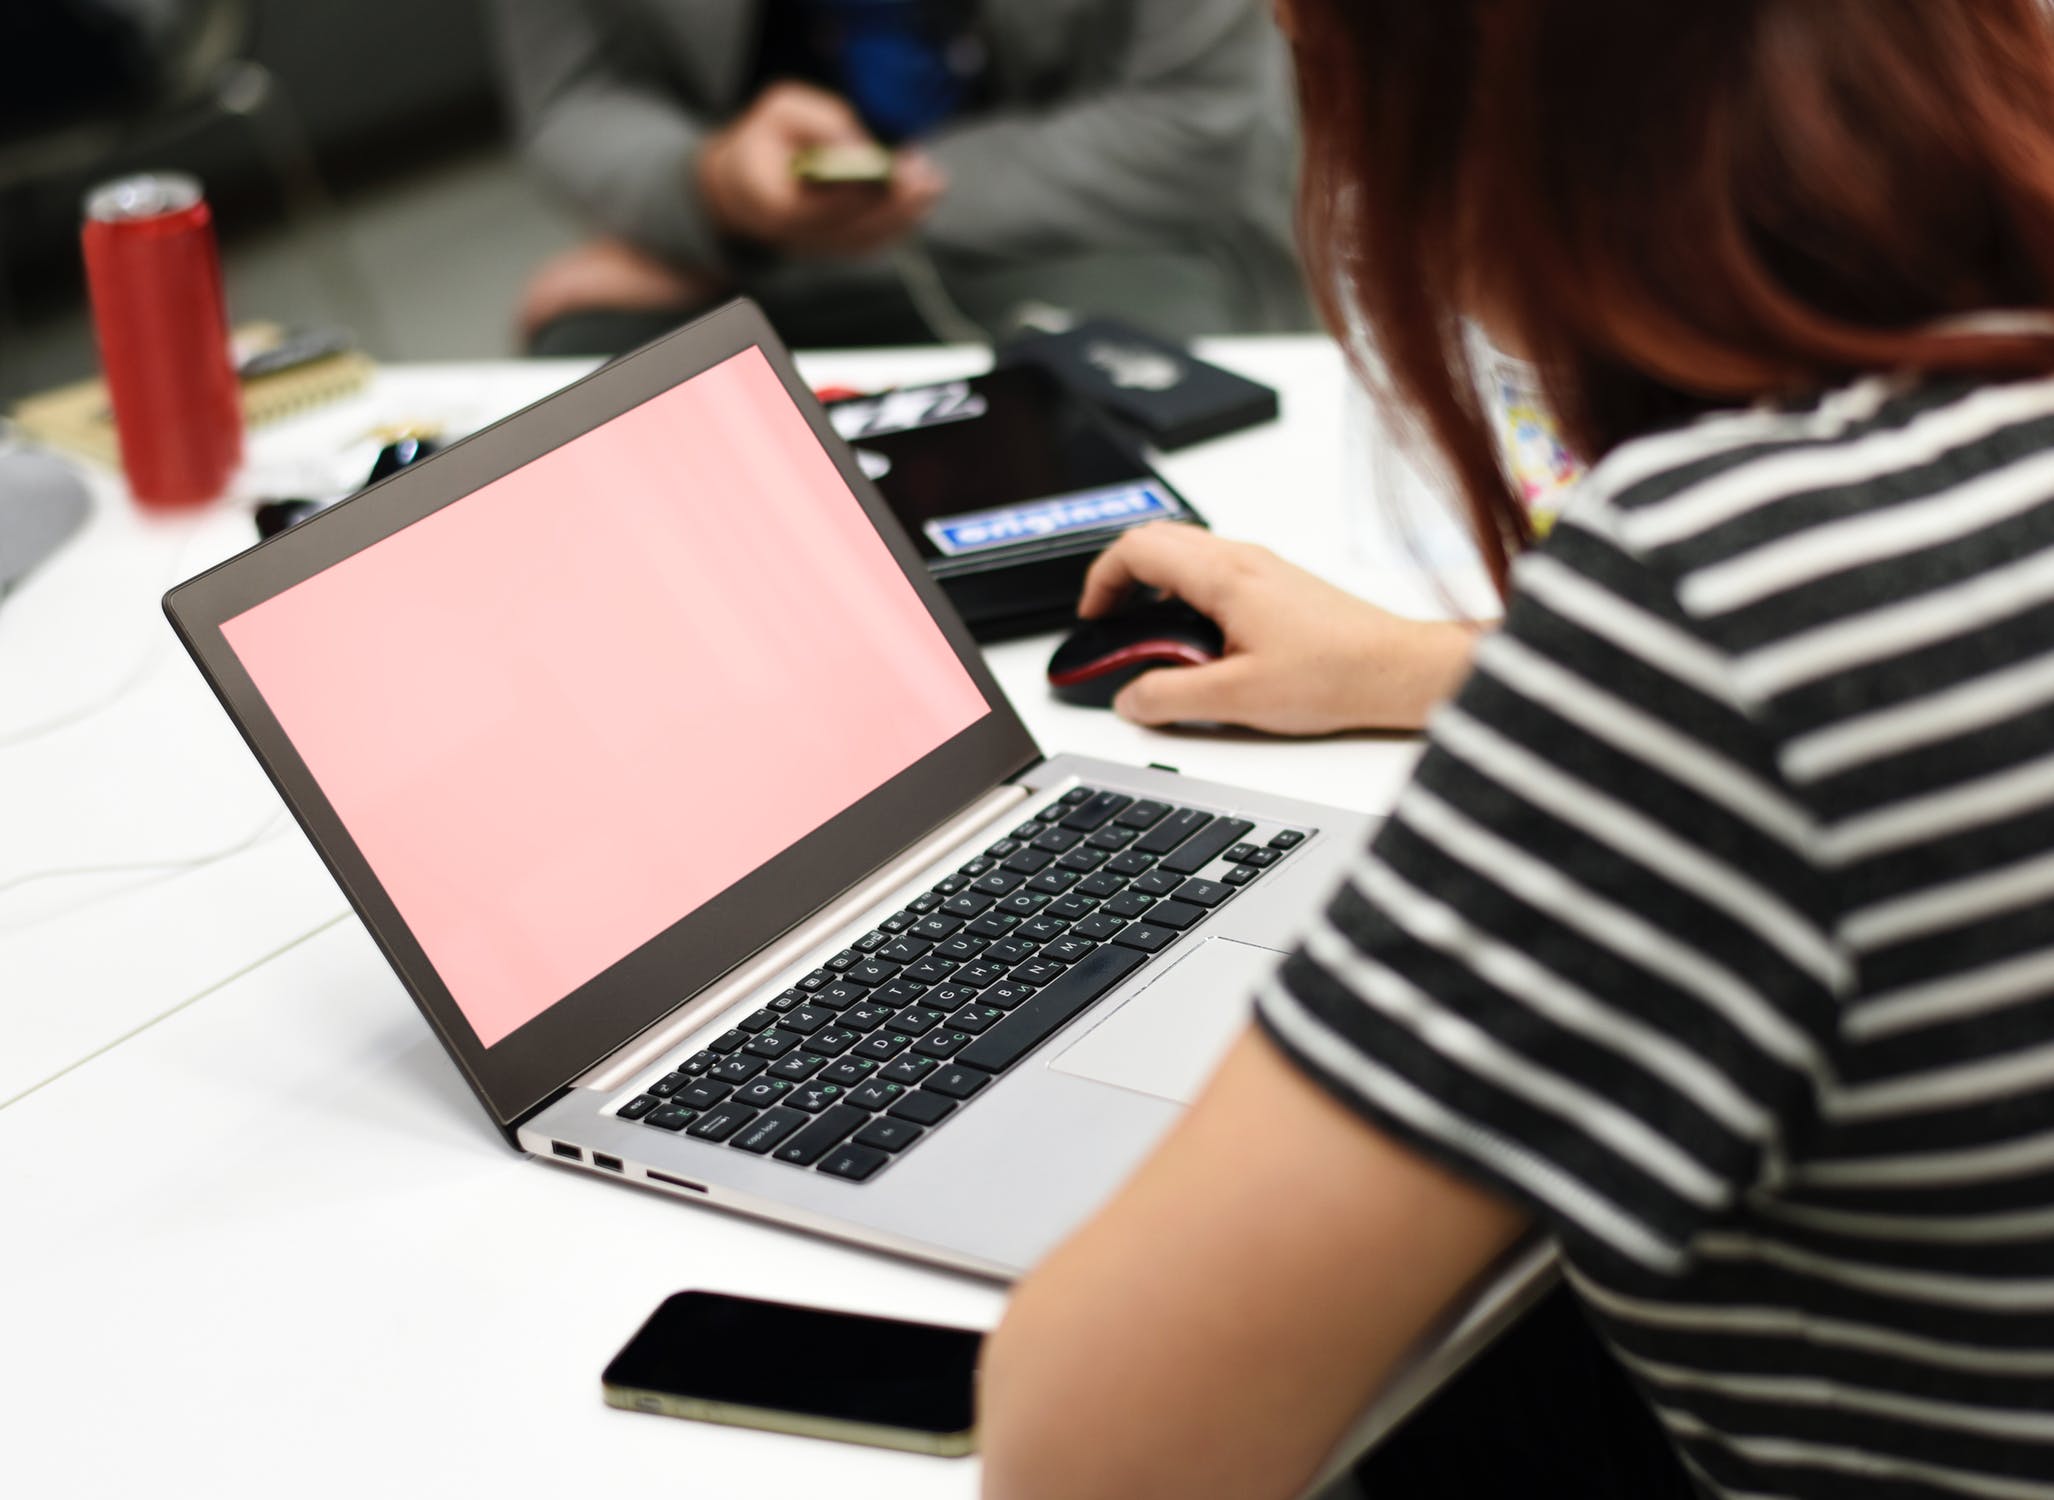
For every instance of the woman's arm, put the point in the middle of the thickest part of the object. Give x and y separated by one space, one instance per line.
1216 1329
1303 657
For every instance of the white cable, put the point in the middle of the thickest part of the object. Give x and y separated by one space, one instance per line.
929 294
164 869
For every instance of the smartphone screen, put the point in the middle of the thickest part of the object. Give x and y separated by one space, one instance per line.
712 1351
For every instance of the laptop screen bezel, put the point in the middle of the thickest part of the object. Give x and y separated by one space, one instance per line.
532 1065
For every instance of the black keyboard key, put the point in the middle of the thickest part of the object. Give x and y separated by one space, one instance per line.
671 1117
1131 905
819 979
1143 815
883 1045
993 925
1023 903
958 1081
931 970
799 1067
898 921
976 976
1240 875
1130 863
1240 852
937 929
1070 908
866 1016
825 1133
1262 859
1206 893
923 1108
910 1069
1198 851
761 1020
773 1044
1112 840
697 1064
1054 882
1145 939
719 1124
669 1084
1095 812
763 1093
739 1069
1026 832
1157 883
1098 928
840 994
949 885
768 1130
900 992
832 1042
1029 862
889 1135
960 950
1075 795
1037 971
1035 1021
790 1000
1288 840
1067 949
922 904
856 1163
728 1041
638 1106
814 1097
1052 813
1083 861
1173 830
999 883
870 942
1043 929
873 972
969 905
703 1095
945 997
942 1043
1057 840
976 867
849 1072
915 1019
1178 916
976 1019
1006 996
1011 951
845 960
877 1095
1003 849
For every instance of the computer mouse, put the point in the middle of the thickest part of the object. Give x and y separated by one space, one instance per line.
1104 655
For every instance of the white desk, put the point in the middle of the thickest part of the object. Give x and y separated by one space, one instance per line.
258 1235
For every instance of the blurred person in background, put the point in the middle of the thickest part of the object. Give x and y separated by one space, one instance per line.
1129 156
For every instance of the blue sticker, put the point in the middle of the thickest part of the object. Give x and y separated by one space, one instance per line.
1093 510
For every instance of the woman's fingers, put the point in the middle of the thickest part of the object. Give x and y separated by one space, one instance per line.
1183 560
1216 694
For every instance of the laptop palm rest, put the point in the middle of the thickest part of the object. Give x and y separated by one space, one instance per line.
1168 1039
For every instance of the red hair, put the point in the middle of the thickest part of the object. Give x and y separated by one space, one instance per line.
1671 208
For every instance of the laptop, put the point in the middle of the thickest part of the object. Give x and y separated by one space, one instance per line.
682 803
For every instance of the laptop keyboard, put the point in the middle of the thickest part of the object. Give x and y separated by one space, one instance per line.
894 1036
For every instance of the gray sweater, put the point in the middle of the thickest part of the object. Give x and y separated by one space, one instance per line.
1115 125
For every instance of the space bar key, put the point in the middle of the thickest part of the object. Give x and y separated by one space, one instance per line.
1041 1017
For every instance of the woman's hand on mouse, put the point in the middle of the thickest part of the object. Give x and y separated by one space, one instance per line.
1302 657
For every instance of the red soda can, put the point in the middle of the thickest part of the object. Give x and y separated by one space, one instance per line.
155 278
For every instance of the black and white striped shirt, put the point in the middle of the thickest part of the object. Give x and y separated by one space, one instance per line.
1718 927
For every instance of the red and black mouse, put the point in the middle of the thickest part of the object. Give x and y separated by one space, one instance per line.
1104 655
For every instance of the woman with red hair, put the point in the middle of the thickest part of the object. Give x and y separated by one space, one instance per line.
1715 934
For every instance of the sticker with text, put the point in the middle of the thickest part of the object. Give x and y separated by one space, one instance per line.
1094 510
907 411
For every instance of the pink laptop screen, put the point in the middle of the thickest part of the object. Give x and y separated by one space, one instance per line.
564 712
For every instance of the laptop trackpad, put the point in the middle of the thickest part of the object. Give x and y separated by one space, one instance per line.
1167 1040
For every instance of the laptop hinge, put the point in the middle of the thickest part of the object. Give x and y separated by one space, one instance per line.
998 806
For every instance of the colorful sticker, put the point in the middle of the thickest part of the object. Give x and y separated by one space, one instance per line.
1094 510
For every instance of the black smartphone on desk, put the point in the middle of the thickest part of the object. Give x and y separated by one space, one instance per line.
803 1370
